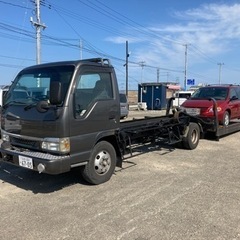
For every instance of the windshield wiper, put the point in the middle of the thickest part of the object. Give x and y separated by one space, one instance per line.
12 103
41 106
30 106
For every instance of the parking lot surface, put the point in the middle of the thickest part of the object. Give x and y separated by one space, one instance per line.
163 193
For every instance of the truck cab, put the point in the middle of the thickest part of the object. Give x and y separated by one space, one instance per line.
54 114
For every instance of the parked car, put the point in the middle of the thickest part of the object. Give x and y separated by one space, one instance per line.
181 96
226 96
124 105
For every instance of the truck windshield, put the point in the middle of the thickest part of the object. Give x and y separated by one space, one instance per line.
33 84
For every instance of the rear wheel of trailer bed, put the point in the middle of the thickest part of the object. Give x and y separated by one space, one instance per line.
190 141
101 165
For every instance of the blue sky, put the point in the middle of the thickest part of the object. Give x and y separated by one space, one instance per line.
157 33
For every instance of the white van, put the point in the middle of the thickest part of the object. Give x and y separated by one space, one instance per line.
180 97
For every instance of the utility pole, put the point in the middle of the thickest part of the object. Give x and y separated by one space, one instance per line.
220 71
127 56
167 76
81 47
142 65
158 74
38 25
185 69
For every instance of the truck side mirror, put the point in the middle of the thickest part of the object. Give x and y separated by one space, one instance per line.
55 93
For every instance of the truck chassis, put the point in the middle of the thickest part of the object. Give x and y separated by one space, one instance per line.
177 128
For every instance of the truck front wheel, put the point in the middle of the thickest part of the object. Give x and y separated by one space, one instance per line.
191 140
101 164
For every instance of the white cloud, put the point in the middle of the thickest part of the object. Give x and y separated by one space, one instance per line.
208 30
122 39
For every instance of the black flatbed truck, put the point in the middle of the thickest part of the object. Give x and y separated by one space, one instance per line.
62 115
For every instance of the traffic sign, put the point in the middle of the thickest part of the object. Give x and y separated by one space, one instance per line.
191 82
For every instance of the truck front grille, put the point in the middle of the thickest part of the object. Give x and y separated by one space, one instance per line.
25 143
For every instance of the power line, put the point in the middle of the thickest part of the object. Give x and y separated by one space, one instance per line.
66 42
202 54
120 18
90 48
125 20
14 5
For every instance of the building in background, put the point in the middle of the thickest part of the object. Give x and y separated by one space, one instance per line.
154 96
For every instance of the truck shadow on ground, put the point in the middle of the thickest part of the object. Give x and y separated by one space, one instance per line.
38 183
161 149
43 183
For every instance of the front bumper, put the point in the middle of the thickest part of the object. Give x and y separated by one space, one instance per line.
54 164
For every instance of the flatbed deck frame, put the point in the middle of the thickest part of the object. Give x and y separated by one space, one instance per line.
213 126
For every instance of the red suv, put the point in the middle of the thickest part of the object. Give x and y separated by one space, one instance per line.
226 96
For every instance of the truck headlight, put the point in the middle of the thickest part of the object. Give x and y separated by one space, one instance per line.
5 137
61 145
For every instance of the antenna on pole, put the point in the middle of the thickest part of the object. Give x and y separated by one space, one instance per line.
38 25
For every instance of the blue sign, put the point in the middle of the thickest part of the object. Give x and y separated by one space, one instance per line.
191 82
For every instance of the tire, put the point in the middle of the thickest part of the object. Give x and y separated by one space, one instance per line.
226 119
101 164
192 139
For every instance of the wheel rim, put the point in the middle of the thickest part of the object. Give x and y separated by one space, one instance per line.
102 162
226 119
194 136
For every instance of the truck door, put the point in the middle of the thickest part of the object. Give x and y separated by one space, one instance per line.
96 108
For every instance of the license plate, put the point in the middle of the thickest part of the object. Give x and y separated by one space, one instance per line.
193 111
25 162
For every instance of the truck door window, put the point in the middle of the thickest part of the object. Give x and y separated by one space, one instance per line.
91 87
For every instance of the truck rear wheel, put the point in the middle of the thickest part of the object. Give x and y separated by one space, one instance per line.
101 164
193 136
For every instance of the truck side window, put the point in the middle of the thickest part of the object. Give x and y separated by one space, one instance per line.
91 87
